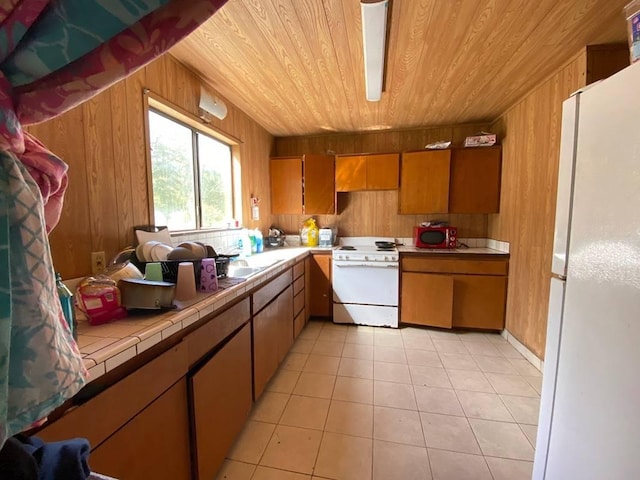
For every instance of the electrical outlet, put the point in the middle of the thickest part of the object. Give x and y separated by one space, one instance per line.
98 262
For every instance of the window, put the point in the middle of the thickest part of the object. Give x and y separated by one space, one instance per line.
191 176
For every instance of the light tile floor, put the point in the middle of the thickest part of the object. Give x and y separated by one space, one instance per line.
359 403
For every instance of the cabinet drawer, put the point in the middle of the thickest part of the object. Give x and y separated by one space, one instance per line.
298 323
298 285
298 269
267 293
485 266
298 303
204 339
98 418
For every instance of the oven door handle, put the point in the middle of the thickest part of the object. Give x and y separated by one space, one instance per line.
366 265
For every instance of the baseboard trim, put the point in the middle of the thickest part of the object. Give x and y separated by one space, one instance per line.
524 351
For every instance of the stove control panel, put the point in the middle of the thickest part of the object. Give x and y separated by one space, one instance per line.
359 257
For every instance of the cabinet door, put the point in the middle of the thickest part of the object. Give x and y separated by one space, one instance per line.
427 299
383 171
479 301
351 173
319 185
284 320
475 180
320 297
153 444
298 324
221 400
286 185
265 348
424 182
307 288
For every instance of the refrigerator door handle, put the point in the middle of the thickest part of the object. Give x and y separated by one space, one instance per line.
557 276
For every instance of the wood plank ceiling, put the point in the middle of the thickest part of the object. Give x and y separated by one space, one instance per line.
296 66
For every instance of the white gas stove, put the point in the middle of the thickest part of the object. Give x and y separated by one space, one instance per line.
365 282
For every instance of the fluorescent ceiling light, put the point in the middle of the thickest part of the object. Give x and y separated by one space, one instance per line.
374 32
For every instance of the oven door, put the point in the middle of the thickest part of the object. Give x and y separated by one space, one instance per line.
365 283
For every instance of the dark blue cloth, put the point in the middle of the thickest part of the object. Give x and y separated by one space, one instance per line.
66 460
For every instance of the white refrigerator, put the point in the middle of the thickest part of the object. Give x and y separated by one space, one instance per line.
589 426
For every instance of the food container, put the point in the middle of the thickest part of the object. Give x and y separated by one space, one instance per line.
99 298
146 294
632 12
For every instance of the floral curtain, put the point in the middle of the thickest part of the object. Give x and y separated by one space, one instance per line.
55 54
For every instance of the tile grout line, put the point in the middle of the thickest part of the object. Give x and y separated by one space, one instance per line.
439 355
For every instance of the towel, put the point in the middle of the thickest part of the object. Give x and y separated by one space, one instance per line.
40 364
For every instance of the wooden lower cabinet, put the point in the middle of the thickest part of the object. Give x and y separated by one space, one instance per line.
427 299
298 324
479 301
265 348
284 322
221 400
320 291
447 292
272 338
307 288
153 444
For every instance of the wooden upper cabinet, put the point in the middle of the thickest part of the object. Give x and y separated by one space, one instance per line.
424 182
319 189
351 173
475 180
302 185
286 185
367 172
383 171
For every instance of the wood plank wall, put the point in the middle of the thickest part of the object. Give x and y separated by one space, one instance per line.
376 212
103 141
530 133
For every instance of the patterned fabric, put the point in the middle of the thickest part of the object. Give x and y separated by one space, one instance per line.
36 347
55 54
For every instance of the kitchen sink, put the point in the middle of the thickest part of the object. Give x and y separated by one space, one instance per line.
245 268
239 271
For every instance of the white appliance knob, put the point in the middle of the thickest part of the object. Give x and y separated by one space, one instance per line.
386 259
366 258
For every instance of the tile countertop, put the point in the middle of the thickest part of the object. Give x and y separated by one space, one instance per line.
105 347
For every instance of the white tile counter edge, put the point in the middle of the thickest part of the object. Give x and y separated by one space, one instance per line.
173 322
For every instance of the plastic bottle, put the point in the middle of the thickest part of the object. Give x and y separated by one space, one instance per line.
66 300
240 245
259 241
246 243
252 241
